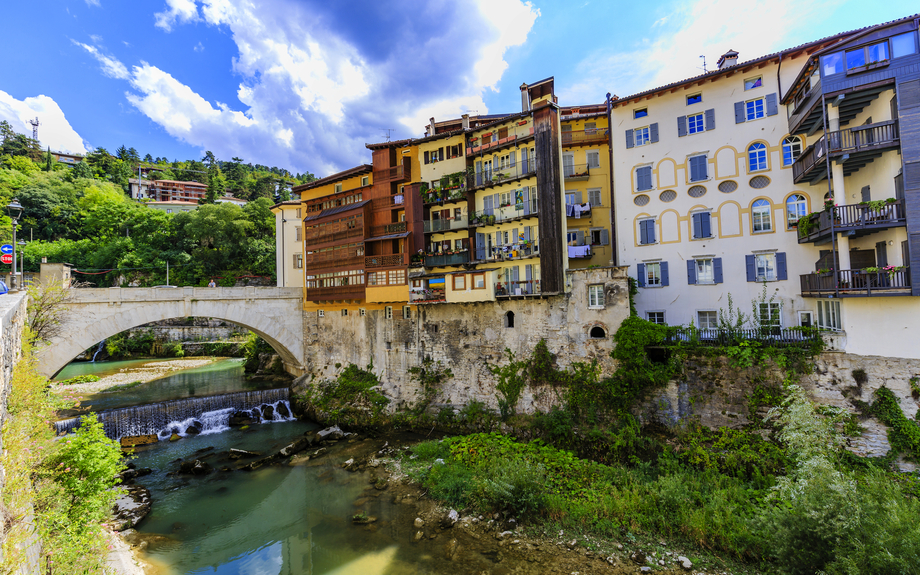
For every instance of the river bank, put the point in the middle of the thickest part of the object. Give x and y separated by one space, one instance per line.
143 373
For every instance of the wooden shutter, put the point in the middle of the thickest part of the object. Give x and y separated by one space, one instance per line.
681 126
514 236
524 161
605 237
640 272
717 270
665 278
526 194
909 94
427 157
578 198
594 197
865 193
772 108
629 139
710 118
697 226
515 274
750 265
653 132
781 273
644 178
643 232
739 112
527 233
691 272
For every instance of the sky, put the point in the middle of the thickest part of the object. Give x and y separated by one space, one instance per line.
305 84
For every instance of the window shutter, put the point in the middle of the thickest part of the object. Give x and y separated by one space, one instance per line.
578 198
487 205
644 178
643 232
526 195
739 112
697 225
605 237
865 193
440 154
665 278
705 225
528 272
710 118
653 132
498 238
524 162
750 264
629 139
717 269
513 154
515 274
640 272
772 109
514 236
781 273
427 157
651 231
579 238
480 246
527 233
594 197
694 170
681 126
691 272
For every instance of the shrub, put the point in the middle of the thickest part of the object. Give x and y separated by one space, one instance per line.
515 486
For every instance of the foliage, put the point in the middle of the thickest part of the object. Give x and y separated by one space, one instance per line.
79 379
352 398
254 347
429 376
903 434
131 344
636 373
46 315
733 452
511 381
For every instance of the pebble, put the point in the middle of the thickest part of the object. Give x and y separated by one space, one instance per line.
419 535
685 563
419 522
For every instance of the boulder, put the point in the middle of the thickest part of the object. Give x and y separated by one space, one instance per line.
283 410
241 453
450 519
243 417
268 412
334 432
194 428
194 467
296 447
131 441
685 563
131 507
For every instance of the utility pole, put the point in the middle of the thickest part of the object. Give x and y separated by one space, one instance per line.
35 124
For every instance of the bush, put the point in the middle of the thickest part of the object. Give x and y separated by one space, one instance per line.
517 487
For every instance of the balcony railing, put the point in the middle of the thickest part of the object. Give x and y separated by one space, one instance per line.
514 135
386 261
316 237
585 137
576 172
400 173
424 295
501 214
515 252
447 224
387 229
455 259
496 176
849 141
439 196
769 335
850 217
520 288
333 258
335 293
857 283
388 202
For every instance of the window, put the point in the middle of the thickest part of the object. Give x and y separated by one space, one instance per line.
652 274
388 312
641 135
903 45
338 188
298 213
754 109
694 99
704 272
698 171
459 282
594 197
760 216
867 56
796 207
479 281
509 319
297 233
168 211
599 237
320 313
752 83
829 315
594 159
702 225
695 123
570 198
792 148
644 178
298 261
640 113
770 315
344 312
766 267
362 312
646 232
597 332
596 296
707 319
806 319
656 317
832 63
407 312
757 157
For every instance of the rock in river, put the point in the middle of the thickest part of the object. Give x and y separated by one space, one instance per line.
131 507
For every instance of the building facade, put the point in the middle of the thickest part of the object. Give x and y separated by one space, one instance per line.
289 244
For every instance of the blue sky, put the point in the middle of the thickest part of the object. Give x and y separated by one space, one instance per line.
304 84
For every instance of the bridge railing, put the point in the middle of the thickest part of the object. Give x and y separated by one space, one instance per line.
91 295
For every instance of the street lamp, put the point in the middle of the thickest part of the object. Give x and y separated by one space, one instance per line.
14 209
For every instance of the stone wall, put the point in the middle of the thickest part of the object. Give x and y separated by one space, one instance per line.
466 337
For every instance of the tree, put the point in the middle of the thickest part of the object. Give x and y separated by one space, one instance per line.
149 159
49 160
47 310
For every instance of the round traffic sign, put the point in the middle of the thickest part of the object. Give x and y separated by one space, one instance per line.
6 259
6 249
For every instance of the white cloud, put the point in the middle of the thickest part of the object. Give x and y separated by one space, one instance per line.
93 3
199 47
177 11
111 66
513 19
55 130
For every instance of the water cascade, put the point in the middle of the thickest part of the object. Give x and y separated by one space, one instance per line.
98 349
194 415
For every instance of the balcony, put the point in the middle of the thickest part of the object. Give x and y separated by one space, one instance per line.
517 289
336 293
387 229
585 137
446 225
386 261
514 252
388 203
854 219
396 174
498 176
446 259
333 258
856 147
576 172
426 295
314 236
444 196
515 135
503 214
857 283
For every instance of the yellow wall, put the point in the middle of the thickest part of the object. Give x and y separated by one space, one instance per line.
469 294
433 171
382 294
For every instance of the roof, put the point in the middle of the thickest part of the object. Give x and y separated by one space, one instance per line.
389 237
185 182
173 202
335 210
393 144
288 203
362 169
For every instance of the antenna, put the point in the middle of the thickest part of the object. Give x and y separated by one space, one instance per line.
35 124
704 63
388 130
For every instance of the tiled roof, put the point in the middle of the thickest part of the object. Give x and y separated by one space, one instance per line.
363 168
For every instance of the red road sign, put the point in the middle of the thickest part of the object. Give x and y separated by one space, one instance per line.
6 258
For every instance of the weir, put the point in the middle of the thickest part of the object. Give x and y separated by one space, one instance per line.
206 414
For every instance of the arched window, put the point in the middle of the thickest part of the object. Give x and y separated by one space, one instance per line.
760 216
757 157
598 332
796 207
792 147
509 319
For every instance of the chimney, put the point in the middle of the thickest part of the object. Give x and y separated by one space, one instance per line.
525 98
466 121
431 130
727 59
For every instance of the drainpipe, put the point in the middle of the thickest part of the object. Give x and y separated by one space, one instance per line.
614 256
831 193
281 235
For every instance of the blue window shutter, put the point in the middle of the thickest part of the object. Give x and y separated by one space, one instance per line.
487 205
579 238
653 132
703 168
524 161
515 274
651 231
629 139
498 238
772 109
644 178
691 272
640 272
514 237
480 246
717 269
751 266
665 279
781 273
710 117
513 154
644 236
681 126
739 112
697 225
526 195
528 272
705 225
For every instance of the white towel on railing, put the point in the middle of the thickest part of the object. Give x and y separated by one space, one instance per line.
579 251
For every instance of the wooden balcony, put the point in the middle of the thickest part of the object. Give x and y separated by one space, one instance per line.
336 293
427 296
517 289
596 136
854 219
333 258
386 261
313 238
855 147
387 229
515 136
388 203
856 283
396 174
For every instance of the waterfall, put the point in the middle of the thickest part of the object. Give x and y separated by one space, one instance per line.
204 414
98 349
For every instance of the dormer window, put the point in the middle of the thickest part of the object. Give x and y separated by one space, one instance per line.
640 113
752 83
694 99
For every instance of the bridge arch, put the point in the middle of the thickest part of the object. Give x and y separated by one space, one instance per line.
274 314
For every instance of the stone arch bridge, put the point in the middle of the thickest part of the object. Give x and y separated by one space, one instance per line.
274 313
